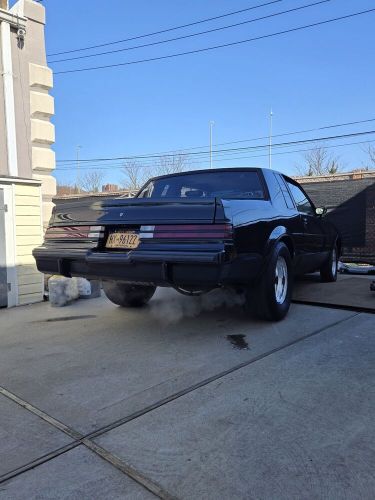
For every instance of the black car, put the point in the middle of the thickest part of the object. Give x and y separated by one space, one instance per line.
250 229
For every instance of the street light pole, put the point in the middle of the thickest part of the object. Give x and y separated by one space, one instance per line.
270 143
211 125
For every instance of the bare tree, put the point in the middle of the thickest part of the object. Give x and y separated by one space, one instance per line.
91 181
135 175
370 150
172 164
319 161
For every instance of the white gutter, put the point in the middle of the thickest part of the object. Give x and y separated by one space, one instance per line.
10 121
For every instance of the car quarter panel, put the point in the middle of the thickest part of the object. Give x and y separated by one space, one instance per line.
258 224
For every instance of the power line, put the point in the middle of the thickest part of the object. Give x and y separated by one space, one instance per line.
167 29
221 152
231 44
177 151
198 158
298 132
290 152
247 148
218 157
120 166
193 34
284 134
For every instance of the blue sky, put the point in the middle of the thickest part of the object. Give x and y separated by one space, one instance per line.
311 78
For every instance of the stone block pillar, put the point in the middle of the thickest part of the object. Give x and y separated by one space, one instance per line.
42 134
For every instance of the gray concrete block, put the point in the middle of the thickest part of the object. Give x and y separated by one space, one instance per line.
347 291
298 424
76 475
24 437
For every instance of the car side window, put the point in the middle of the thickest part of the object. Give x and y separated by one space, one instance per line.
147 191
275 190
303 204
284 189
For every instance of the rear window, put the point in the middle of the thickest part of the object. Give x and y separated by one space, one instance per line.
236 184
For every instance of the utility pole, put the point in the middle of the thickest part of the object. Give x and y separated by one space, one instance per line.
270 143
78 179
211 125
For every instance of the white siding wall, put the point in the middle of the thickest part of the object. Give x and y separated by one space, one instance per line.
28 225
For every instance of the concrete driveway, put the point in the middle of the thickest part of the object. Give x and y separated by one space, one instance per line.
177 401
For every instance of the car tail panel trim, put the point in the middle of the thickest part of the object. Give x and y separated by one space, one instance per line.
187 231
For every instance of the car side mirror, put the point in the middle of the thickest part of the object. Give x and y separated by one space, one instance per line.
320 211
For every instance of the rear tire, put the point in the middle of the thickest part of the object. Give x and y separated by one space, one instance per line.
126 295
270 298
328 272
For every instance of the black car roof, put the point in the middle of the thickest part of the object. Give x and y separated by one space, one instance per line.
211 170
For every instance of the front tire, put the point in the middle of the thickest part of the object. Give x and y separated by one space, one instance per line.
270 298
126 295
328 272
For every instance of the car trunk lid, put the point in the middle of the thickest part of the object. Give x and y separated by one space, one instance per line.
138 211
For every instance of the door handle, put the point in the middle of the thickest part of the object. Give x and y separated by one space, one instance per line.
305 220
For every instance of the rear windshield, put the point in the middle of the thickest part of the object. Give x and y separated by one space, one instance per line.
236 184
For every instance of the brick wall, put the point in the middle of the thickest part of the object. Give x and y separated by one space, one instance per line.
351 207
365 253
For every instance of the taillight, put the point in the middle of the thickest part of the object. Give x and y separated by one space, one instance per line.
187 231
74 232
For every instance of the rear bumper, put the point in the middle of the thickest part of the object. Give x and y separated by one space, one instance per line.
181 268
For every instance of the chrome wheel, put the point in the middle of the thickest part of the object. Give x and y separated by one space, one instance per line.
334 262
281 280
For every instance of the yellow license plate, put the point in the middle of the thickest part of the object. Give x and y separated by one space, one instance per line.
126 239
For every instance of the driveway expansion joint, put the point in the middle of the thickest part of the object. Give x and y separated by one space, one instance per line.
79 440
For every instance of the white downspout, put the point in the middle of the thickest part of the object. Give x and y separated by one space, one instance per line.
10 120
